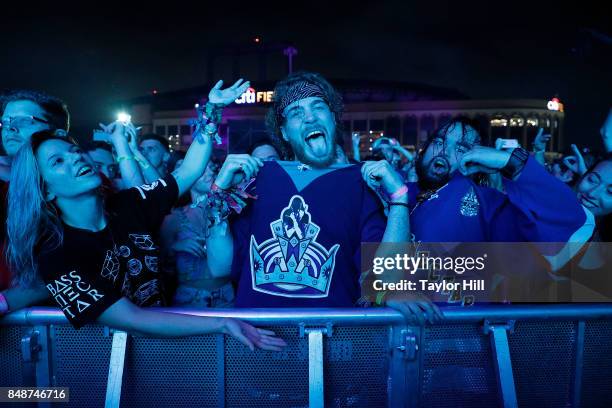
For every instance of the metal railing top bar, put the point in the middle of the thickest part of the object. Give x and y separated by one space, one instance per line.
356 316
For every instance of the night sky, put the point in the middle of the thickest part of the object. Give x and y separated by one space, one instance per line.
488 50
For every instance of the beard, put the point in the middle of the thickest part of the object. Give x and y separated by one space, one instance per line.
430 179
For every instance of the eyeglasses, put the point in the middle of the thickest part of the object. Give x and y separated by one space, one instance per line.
18 122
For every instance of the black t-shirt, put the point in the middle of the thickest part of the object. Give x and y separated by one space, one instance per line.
92 270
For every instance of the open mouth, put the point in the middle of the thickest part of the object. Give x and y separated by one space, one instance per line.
588 203
85 171
439 165
315 139
314 135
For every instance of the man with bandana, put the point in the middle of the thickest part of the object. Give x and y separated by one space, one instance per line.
298 243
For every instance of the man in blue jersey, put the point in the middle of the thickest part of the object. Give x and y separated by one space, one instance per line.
451 203
533 207
298 243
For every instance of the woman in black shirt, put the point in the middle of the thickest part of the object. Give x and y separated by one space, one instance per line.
96 254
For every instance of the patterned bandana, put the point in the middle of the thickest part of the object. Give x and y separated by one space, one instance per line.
300 90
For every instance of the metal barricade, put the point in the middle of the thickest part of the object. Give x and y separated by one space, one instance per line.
481 356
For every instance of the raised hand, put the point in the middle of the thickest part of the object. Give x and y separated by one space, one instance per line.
410 156
356 140
576 162
117 131
227 96
237 168
132 133
381 174
540 141
481 159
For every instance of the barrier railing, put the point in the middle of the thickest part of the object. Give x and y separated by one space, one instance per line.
480 356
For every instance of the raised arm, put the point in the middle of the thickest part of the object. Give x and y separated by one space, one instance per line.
199 152
119 134
404 152
380 174
539 146
220 244
355 141
149 173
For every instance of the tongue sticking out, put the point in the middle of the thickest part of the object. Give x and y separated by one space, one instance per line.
317 144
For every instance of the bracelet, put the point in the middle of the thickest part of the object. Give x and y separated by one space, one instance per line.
121 158
515 164
208 121
212 112
396 203
4 307
215 187
221 203
142 163
379 297
400 192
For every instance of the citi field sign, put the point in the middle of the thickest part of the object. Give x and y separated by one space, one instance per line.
251 96
555 105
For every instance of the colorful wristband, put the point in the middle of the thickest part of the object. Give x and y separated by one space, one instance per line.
212 112
215 187
4 307
399 193
142 163
379 297
121 158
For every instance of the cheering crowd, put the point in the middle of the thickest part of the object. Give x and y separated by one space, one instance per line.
105 230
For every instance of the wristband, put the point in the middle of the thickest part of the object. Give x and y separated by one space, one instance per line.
142 163
4 307
215 187
121 158
399 192
379 297
515 164
222 202
396 203
212 112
